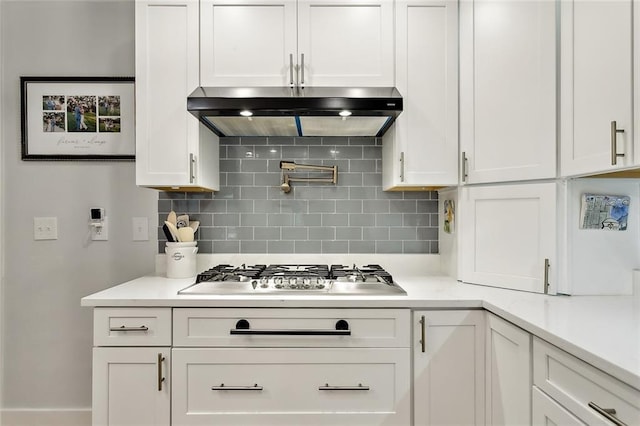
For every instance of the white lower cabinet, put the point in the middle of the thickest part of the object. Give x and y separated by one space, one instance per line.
291 367
508 373
591 395
131 386
448 367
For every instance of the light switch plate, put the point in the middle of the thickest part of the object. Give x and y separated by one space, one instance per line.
45 228
140 229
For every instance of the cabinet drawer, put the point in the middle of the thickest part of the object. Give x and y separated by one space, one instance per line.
132 327
302 386
546 411
292 327
575 384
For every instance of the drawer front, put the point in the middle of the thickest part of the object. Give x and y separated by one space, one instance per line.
548 412
291 327
132 327
261 386
575 384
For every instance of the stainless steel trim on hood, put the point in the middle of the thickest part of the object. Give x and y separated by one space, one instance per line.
286 111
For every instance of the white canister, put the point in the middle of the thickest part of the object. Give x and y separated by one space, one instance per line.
181 260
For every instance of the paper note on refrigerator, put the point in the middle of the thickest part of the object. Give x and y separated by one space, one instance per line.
607 212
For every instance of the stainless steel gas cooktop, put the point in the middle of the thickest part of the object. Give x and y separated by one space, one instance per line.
295 279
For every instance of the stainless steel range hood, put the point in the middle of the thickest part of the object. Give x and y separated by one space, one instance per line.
284 111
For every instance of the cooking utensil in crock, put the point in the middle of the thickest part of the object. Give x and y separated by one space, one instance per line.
167 233
186 234
182 221
173 230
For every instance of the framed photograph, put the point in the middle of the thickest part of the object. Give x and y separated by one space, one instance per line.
78 118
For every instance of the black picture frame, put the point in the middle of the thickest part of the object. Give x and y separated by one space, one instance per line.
77 118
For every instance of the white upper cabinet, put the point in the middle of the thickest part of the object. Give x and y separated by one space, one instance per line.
421 149
173 150
305 42
508 236
507 90
247 43
597 86
346 42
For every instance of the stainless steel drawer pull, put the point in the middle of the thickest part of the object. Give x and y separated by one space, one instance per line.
465 167
291 83
360 387
614 143
243 327
607 413
423 337
302 70
222 387
160 377
123 328
192 165
546 276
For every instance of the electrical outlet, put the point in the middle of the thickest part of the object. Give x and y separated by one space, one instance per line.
140 229
45 228
100 233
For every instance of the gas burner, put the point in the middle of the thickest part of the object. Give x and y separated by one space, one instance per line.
366 273
296 271
229 273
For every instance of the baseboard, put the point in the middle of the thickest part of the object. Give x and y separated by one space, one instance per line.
44 417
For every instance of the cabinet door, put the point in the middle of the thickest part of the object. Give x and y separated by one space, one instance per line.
247 43
421 149
131 386
597 85
172 148
507 90
448 368
508 236
346 42
508 372
548 412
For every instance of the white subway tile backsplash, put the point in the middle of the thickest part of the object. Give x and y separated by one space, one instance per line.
251 214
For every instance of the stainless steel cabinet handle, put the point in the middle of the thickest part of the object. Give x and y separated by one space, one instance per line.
546 276
302 70
607 413
465 167
192 164
614 143
360 387
222 387
423 340
402 166
123 328
160 377
291 70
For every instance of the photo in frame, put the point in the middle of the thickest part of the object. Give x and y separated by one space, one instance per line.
78 118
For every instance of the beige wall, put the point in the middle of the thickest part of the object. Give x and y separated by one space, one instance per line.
47 336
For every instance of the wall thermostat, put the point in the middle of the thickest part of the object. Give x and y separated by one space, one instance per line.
97 214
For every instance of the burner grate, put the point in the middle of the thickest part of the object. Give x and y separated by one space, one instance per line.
231 273
364 273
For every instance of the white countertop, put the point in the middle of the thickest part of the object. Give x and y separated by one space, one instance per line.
602 330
